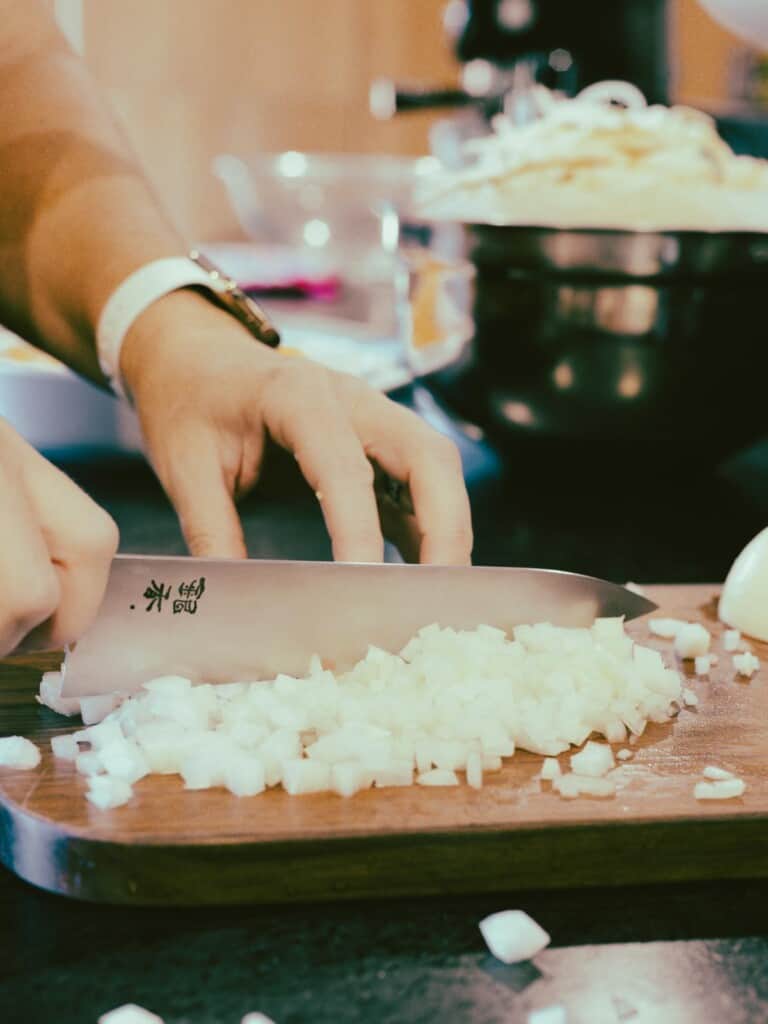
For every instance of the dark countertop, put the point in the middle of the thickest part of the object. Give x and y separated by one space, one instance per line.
663 955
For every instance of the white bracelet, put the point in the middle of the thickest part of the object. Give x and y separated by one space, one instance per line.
136 293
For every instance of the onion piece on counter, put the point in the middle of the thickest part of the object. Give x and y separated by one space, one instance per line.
554 1014
624 754
513 936
746 664
18 752
725 789
129 1014
690 699
717 774
744 598
256 1018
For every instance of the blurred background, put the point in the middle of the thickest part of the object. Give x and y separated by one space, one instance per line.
605 387
195 78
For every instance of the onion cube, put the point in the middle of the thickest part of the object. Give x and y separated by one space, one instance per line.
348 778
105 792
101 735
89 763
746 664
610 635
689 698
667 629
438 777
124 760
717 774
726 789
244 775
731 640
18 752
256 1018
129 1014
65 747
596 759
96 709
491 763
512 936
165 745
170 686
397 773
50 695
550 769
475 771
703 664
693 639
549 1015
571 786
624 754
305 776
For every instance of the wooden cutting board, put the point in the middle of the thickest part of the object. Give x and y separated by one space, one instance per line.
170 846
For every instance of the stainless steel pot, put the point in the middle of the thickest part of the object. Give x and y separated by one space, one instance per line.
597 335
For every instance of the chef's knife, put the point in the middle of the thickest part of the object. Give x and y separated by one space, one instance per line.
221 621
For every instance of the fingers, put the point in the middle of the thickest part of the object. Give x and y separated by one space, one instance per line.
335 466
203 500
29 586
406 448
311 422
81 541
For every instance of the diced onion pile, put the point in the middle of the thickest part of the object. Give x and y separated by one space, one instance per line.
451 702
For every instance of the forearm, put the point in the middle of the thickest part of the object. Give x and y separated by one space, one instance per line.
76 213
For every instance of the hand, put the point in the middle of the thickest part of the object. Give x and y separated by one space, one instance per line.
56 547
210 397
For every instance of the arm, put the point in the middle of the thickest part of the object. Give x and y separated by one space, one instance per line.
76 214
76 218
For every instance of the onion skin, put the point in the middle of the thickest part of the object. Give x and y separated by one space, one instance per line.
744 599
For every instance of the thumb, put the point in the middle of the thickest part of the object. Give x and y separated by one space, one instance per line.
204 504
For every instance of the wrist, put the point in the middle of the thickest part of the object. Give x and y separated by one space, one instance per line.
172 340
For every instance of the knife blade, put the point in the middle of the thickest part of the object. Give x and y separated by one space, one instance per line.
222 621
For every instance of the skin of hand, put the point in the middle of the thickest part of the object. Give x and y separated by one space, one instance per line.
77 217
56 547
210 398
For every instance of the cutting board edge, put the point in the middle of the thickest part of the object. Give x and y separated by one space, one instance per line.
577 855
